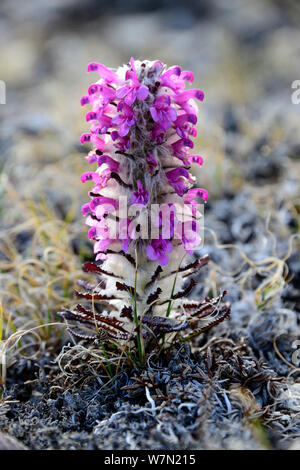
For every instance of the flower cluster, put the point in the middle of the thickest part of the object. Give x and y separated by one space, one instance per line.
142 129
142 126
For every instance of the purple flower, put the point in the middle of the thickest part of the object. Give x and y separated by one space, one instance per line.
104 122
121 143
182 119
158 250
180 149
144 211
170 77
162 112
195 193
184 98
110 162
175 79
125 119
129 93
177 179
94 139
183 125
142 120
100 96
141 196
100 180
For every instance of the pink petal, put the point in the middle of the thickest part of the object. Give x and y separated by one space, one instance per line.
196 193
87 176
163 259
169 247
84 100
124 129
195 159
142 92
91 116
85 209
151 253
172 114
154 114
84 138
121 92
130 98
187 75
107 74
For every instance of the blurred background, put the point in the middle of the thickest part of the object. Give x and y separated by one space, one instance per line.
245 56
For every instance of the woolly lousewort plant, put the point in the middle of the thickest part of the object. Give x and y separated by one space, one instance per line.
143 214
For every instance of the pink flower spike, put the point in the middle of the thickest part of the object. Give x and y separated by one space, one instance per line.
135 115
